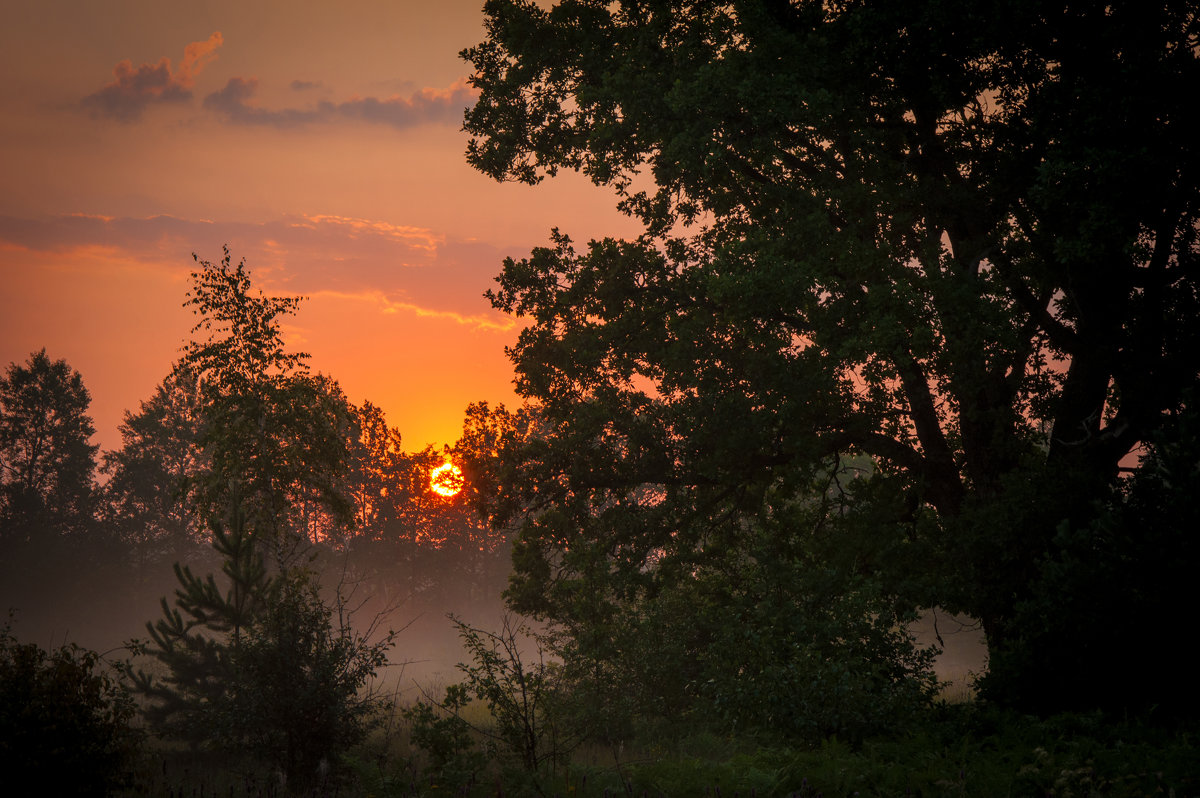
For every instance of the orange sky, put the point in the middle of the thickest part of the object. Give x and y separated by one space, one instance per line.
321 142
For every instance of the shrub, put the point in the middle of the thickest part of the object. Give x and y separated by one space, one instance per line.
64 722
510 675
446 738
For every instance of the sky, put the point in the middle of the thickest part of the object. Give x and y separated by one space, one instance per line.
320 142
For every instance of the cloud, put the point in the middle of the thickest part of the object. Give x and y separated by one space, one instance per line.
306 85
419 238
231 102
133 89
386 306
198 55
427 106
399 268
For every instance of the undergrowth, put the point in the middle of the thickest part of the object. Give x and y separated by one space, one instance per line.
965 750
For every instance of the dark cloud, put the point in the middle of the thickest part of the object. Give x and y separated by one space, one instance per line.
306 85
126 97
134 88
427 105
231 103
437 106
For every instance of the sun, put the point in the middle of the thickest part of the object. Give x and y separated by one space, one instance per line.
446 480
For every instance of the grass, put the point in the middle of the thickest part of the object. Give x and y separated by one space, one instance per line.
964 753
961 750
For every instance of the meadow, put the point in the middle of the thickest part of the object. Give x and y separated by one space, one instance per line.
963 749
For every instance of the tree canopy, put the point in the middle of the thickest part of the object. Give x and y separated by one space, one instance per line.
958 239
274 435
47 459
152 478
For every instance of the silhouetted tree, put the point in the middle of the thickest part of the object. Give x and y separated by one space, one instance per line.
152 478
273 434
258 662
65 723
409 542
961 239
47 460
376 459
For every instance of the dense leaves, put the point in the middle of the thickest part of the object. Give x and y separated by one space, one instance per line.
65 723
47 460
958 239
273 434
153 478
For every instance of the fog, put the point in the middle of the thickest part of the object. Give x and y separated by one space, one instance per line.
84 598
101 605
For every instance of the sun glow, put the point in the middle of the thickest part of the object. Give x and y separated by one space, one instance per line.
446 480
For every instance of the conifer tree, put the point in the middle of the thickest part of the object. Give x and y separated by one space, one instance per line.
261 664
195 640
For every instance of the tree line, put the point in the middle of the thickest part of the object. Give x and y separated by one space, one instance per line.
238 420
302 508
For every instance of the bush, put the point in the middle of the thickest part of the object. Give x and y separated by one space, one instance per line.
773 634
296 699
447 739
64 723
527 730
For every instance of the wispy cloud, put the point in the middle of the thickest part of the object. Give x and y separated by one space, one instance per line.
134 88
416 237
428 105
478 321
401 268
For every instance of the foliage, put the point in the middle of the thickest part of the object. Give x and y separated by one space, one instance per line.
771 633
809 669
959 750
959 240
65 724
447 738
195 641
273 434
519 692
1140 537
47 460
527 727
150 493
974 754
783 620
300 695
376 464
265 667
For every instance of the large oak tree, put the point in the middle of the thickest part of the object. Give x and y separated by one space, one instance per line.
958 238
